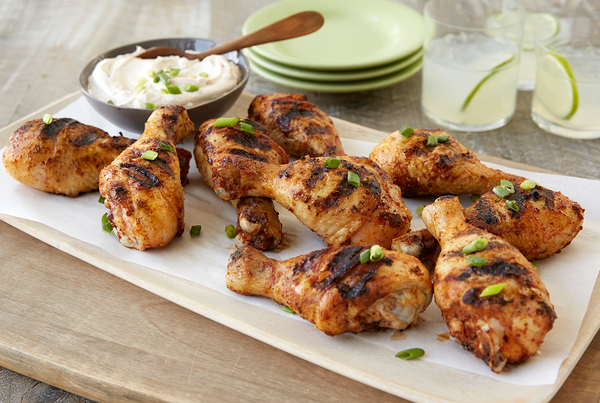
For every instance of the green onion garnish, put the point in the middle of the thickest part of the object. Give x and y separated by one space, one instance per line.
173 89
230 231
195 230
492 290
353 178
139 88
166 146
148 105
190 88
476 261
432 140
192 76
106 225
223 122
528 184
411 353
535 267
203 75
110 102
474 198
172 72
288 310
164 90
475 246
365 256
150 155
47 119
140 80
151 73
512 205
156 79
101 199
508 185
419 209
501 191
376 253
332 162
162 76
246 127
406 131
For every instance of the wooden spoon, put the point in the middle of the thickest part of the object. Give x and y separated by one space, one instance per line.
293 26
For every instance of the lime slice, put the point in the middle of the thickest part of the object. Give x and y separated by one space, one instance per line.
492 72
544 24
556 87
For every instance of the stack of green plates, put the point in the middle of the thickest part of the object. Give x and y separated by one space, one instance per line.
363 45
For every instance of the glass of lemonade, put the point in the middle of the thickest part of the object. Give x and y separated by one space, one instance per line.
566 100
552 20
471 62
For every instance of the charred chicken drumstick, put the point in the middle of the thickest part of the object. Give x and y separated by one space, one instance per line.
333 290
258 221
506 327
142 186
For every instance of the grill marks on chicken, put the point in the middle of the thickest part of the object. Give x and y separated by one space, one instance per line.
546 221
448 168
296 125
64 157
333 290
322 198
508 327
258 221
145 197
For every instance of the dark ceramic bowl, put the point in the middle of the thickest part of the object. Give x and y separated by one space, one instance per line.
133 119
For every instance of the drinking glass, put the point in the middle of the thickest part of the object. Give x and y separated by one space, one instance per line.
566 100
471 62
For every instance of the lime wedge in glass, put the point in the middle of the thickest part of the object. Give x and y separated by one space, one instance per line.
556 87
495 70
545 25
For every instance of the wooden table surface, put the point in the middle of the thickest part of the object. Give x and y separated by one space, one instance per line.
43 46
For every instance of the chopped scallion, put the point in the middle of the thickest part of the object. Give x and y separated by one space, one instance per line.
411 353
164 90
106 225
162 76
535 267
406 131
140 80
288 310
192 76
110 102
47 119
528 184
203 75
432 140
492 290
195 230
474 198
151 73
246 127
150 155
223 122
365 256
101 199
139 88
190 88
172 72
376 253
332 162
475 246
353 178
166 146
230 231
476 261
508 185
419 209
148 105
512 205
173 89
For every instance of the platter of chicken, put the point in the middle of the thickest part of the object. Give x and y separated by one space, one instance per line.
345 243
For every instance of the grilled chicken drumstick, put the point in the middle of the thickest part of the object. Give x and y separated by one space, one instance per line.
142 186
333 290
258 221
367 211
446 168
506 327
296 125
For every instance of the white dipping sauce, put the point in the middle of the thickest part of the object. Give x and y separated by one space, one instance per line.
125 80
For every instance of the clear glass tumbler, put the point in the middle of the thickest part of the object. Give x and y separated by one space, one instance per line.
471 62
566 100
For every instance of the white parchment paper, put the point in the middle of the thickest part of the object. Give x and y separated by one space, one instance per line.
569 276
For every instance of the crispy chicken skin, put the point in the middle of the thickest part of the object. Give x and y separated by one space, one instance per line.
322 198
333 290
508 327
448 168
64 157
145 197
258 221
546 221
296 125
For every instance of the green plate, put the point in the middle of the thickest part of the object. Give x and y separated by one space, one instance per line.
344 87
357 34
332 75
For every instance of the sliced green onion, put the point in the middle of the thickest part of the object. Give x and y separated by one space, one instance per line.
106 225
376 253
223 122
172 72
501 191
246 127
195 230
432 140
150 155
476 261
151 73
406 131
203 75
419 209
156 79
474 198
475 246
190 87
528 184
492 290
288 310
535 267
512 205
101 199
166 146
411 353
353 178
230 231
148 105
139 88
365 256
110 102
332 162
173 89
162 76
508 185
47 119
443 138
140 80
164 90
192 76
